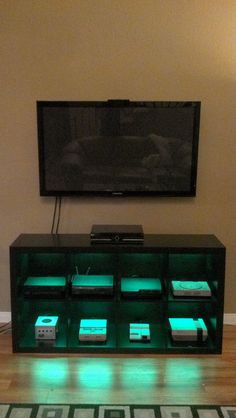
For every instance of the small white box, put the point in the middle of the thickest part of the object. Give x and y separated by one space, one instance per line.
188 329
139 332
186 288
93 330
46 327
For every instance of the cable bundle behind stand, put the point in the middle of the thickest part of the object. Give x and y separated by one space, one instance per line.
56 215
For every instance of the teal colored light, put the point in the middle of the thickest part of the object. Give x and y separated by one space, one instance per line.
45 281
182 324
92 280
49 372
134 284
190 285
213 322
139 373
186 324
46 321
181 371
96 373
93 323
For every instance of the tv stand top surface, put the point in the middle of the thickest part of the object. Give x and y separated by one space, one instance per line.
151 241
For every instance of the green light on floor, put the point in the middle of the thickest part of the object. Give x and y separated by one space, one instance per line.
50 372
184 371
140 373
96 374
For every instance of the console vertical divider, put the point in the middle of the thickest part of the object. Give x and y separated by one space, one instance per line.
67 296
165 295
117 278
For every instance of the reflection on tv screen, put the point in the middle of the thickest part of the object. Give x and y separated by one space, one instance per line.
148 148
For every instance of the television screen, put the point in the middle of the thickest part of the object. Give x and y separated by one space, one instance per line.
118 148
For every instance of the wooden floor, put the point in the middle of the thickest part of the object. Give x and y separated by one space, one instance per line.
208 379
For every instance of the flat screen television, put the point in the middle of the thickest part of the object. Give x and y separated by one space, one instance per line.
118 148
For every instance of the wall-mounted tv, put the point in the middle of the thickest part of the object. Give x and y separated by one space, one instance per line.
118 148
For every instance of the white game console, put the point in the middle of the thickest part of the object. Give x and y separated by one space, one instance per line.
93 330
139 332
188 329
186 288
46 327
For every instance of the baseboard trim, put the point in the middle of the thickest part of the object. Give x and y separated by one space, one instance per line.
229 318
5 317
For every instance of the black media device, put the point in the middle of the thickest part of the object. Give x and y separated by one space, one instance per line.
141 287
90 285
118 148
117 234
44 286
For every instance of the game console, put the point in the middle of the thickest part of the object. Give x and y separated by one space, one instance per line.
139 332
93 330
89 285
190 288
141 287
44 286
117 234
46 327
188 329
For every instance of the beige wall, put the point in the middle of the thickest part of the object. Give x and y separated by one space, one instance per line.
136 49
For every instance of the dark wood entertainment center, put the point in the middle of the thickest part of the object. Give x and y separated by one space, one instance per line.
166 257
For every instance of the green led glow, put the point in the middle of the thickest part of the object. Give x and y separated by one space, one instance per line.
139 373
94 323
213 322
49 372
92 280
190 285
133 284
181 371
96 373
45 281
46 321
186 324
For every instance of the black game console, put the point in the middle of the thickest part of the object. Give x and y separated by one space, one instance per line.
90 285
117 234
44 286
140 287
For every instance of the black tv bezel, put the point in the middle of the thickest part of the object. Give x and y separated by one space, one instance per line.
40 105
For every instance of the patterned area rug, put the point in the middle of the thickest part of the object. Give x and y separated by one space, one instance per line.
115 411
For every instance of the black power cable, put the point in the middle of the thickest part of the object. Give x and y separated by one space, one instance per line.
59 215
56 215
